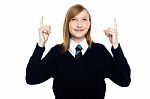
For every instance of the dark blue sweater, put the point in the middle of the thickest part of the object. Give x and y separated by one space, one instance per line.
79 79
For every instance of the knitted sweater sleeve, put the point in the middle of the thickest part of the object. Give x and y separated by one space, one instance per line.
117 67
39 70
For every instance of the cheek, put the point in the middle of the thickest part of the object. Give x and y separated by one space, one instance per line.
71 25
87 26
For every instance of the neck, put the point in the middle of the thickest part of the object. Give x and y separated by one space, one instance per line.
78 40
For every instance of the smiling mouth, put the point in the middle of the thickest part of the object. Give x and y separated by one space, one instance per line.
79 30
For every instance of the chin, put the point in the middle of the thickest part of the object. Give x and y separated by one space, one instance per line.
79 36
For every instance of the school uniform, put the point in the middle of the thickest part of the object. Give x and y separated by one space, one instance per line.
79 78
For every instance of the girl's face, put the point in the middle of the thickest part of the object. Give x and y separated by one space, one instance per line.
79 26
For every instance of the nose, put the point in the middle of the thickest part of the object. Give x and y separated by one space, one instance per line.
79 24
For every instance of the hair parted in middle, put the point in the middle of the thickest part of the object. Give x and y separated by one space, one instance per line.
72 12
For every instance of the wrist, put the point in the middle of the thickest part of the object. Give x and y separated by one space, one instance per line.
40 44
115 45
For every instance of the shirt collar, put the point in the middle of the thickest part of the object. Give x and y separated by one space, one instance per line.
73 45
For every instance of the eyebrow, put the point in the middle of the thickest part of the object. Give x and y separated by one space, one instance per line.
83 17
86 17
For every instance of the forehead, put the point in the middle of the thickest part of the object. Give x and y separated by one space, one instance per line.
83 13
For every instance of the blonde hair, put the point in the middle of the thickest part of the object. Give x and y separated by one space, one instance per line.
72 12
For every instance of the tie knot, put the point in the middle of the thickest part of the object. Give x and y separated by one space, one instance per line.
78 48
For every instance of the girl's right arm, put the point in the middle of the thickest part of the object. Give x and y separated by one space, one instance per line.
38 69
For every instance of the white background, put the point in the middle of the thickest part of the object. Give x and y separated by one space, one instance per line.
19 22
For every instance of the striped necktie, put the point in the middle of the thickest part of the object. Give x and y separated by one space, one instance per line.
78 53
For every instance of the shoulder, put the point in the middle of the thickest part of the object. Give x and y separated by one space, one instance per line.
98 46
57 47
55 50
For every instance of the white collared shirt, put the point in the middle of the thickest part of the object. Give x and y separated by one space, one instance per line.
73 45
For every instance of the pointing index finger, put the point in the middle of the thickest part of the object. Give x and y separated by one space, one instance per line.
115 23
41 23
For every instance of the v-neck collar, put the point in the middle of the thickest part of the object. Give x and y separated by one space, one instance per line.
73 45
85 54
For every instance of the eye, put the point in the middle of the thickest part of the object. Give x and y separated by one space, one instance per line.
73 19
85 19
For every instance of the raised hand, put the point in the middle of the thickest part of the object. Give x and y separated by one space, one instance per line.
112 34
44 32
